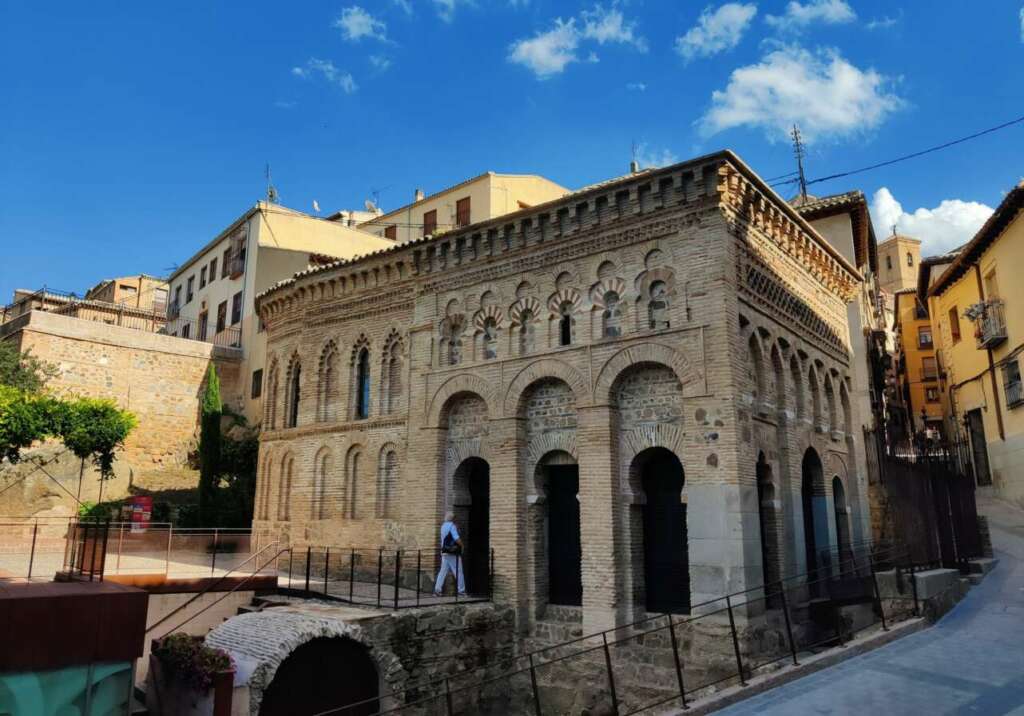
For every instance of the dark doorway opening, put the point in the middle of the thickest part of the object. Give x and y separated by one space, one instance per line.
979 448
844 544
565 555
473 478
666 557
325 673
815 518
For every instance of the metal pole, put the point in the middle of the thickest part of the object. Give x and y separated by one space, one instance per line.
458 566
448 695
533 685
327 566
735 640
92 556
398 573
32 552
103 555
380 570
611 676
167 562
309 555
120 544
913 588
789 626
675 657
878 594
490 579
213 560
291 553
351 573
419 574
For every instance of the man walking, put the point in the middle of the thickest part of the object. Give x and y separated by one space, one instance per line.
451 556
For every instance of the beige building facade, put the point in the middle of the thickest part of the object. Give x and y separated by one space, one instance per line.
638 396
899 258
147 293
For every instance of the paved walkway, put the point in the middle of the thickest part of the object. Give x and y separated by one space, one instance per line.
971 662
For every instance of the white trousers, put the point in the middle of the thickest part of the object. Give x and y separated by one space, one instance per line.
450 563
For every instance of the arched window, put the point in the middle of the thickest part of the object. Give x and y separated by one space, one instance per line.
321 469
888 262
526 331
294 394
387 479
327 384
910 259
394 377
611 319
362 384
270 399
657 309
350 488
565 324
284 490
455 350
490 339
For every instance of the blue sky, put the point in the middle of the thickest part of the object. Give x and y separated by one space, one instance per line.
132 133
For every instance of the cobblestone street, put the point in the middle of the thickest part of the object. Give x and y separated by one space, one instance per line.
968 663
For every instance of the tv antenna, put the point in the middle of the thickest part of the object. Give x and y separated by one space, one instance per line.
799 152
272 195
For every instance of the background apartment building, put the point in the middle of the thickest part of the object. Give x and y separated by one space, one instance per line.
142 291
899 257
211 294
483 197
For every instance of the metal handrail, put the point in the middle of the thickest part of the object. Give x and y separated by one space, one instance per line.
213 584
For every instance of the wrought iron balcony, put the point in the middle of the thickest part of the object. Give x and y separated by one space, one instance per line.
990 325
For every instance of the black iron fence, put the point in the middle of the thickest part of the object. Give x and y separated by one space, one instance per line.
389 578
663 661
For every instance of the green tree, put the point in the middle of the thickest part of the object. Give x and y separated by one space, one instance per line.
24 419
209 448
94 428
23 371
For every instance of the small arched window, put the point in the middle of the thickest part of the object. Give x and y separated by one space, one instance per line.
888 262
363 385
294 389
526 329
565 324
611 324
490 339
657 309
910 259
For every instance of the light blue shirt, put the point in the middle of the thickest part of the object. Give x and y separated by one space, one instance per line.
449 527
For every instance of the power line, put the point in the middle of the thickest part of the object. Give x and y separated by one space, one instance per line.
905 157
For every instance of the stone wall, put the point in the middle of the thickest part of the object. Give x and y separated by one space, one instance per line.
158 378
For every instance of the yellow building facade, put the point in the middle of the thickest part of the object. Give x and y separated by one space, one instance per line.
978 314
918 366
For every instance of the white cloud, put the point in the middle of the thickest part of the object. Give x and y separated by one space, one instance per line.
446 9
952 223
822 92
636 87
355 23
380 62
648 157
883 23
403 5
327 70
549 52
716 31
799 15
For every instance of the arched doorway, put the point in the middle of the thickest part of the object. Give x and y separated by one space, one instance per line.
560 476
843 546
322 674
473 515
666 555
815 517
769 530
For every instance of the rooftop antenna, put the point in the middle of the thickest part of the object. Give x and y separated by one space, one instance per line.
634 163
799 152
894 229
272 195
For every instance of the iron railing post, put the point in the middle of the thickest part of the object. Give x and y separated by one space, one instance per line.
533 685
789 626
675 657
878 593
309 555
398 573
458 569
419 574
327 566
913 588
213 559
92 556
490 579
32 552
380 571
170 538
735 640
448 696
611 675
351 575
120 545
291 554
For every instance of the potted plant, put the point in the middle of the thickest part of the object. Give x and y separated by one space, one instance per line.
188 677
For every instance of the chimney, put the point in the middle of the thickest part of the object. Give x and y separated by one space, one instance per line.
419 195
634 166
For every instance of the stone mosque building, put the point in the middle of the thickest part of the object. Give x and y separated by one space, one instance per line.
638 396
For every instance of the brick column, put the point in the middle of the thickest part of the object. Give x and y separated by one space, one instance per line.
423 508
604 603
508 515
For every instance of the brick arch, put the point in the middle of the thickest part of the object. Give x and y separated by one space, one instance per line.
634 442
639 354
461 383
269 637
561 441
539 370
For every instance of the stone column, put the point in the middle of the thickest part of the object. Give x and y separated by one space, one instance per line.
600 516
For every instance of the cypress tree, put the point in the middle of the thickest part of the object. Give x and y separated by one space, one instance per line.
209 449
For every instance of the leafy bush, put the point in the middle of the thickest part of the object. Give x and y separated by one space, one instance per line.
188 659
